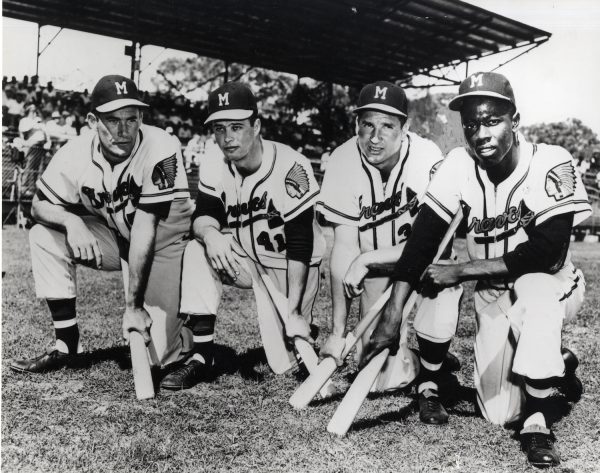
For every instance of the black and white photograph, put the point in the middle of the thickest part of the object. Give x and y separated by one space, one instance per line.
328 236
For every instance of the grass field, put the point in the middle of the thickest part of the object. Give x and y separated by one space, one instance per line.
88 419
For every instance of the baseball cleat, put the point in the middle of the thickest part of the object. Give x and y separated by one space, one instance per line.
570 386
187 376
51 360
538 443
431 410
451 363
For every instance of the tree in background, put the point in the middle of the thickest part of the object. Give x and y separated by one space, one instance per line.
571 134
309 114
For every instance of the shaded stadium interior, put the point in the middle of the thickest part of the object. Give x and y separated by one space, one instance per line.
348 42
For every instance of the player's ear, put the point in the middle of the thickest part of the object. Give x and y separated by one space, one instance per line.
405 128
257 126
516 120
92 120
356 125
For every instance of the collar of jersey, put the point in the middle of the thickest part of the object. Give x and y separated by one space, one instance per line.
525 156
268 156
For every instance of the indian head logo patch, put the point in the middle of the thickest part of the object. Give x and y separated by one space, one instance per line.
296 182
164 173
561 181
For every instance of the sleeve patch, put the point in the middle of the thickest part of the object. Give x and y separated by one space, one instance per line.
296 182
434 168
560 181
164 173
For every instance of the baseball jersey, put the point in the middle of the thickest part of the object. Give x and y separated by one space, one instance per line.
151 177
258 205
544 184
353 193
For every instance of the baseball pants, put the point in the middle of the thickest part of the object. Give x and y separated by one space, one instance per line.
202 288
435 319
519 334
55 276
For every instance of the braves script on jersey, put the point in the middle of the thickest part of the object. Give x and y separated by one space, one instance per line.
353 193
544 184
150 178
257 206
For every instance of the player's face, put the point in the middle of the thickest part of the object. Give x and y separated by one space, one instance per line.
489 129
236 138
117 131
380 136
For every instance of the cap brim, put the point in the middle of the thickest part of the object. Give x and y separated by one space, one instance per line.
121 103
456 103
382 108
233 114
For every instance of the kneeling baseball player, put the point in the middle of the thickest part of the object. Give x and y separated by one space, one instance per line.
254 216
129 182
521 201
371 192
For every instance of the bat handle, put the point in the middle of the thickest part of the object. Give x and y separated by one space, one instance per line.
140 365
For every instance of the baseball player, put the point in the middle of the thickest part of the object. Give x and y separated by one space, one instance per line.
371 192
254 214
521 201
128 180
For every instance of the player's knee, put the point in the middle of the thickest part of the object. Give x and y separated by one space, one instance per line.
538 286
40 236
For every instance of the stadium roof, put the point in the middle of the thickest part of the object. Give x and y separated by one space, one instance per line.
342 41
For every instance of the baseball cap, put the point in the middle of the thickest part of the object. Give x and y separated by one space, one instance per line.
483 84
114 92
383 96
231 101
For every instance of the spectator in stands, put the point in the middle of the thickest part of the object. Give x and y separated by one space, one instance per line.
583 166
57 128
26 123
35 146
193 151
184 133
16 108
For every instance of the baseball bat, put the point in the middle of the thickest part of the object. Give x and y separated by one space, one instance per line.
308 390
304 349
359 390
140 365
354 398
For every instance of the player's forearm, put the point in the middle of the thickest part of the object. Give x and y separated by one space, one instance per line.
203 226
389 324
482 269
297 275
141 254
341 257
382 261
52 215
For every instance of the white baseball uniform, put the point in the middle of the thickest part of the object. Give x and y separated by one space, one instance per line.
257 207
522 337
152 179
353 194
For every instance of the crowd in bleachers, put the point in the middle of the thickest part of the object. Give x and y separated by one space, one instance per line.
37 119
45 104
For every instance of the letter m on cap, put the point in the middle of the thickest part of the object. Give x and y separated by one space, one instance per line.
476 80
224 99
121 88
380 92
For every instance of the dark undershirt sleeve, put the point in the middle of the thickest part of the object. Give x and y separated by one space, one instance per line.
299 236
427 233
546 249
160 209
210 206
